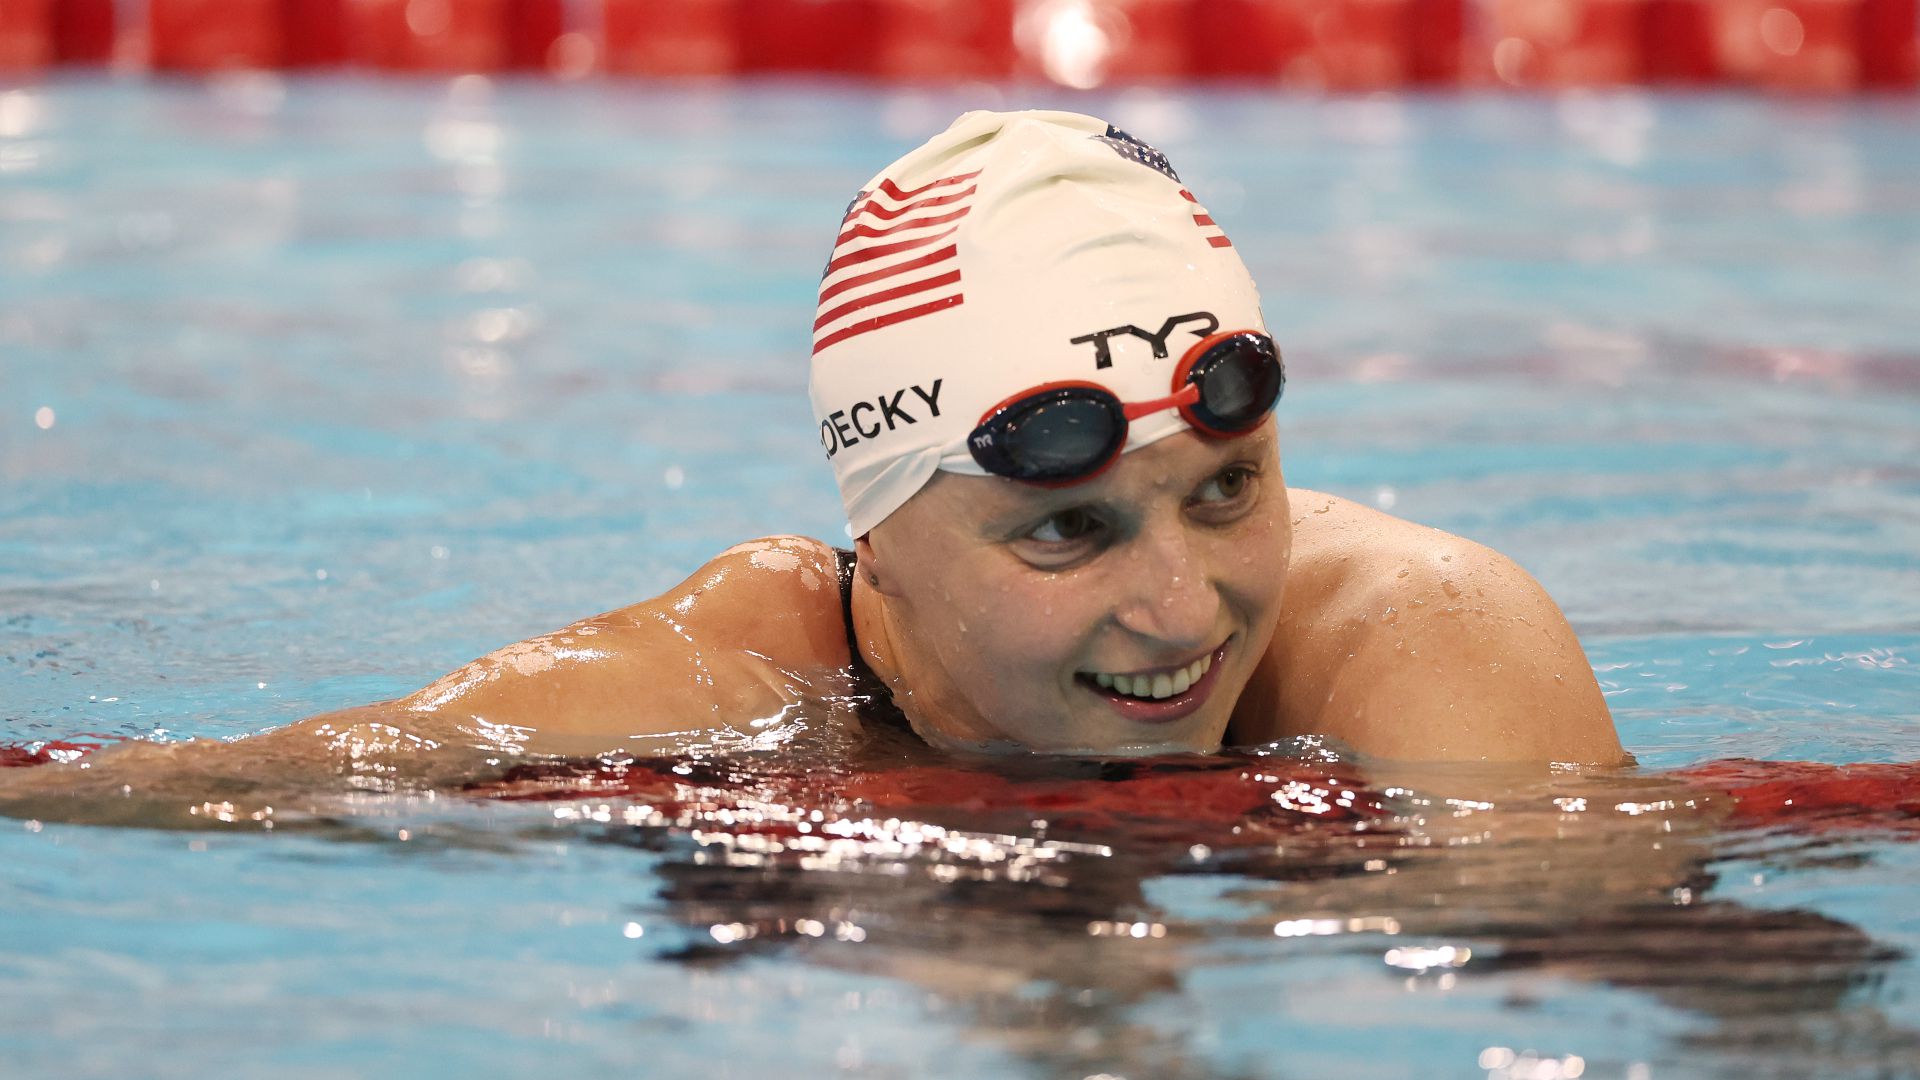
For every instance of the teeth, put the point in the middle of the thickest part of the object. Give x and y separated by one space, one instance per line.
1159 686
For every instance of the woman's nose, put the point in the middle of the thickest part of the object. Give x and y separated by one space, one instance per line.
1169 596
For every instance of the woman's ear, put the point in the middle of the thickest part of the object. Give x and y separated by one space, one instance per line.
872 568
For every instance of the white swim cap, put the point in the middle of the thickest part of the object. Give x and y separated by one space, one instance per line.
1012 250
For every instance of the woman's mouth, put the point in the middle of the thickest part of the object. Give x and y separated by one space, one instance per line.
1162 695
1157 686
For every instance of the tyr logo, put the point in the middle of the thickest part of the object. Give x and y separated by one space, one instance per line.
1103 354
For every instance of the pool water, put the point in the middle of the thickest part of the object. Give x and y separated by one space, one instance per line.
312 390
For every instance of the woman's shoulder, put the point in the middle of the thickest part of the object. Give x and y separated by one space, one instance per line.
1408 641
1356 553
772 562
1351 561
742 638
1332 528
780 596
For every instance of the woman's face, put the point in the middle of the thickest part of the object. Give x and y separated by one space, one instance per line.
1120 615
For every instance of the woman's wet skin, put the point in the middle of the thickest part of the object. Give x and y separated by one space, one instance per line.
1045 616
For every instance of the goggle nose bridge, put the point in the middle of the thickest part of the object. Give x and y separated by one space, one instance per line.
1186 395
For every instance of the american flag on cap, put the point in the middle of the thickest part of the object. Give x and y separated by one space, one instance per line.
1215 234
895 258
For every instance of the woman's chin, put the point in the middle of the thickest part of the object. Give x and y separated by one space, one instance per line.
1195 734
1082 745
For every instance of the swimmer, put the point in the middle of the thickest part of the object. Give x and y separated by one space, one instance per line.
1043 381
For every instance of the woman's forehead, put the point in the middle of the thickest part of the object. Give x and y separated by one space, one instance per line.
1173 465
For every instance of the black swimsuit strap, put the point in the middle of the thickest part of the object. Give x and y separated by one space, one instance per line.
866 683
848 564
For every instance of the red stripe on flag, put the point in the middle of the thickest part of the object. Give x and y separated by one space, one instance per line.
1202 219
951 277
880 250
894 192
1188 195
914 223
892 317
858 280
1219 241
884 214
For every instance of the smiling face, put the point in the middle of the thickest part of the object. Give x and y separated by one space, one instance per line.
1121 615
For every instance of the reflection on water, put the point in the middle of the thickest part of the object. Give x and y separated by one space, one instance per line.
1076 913
1050 907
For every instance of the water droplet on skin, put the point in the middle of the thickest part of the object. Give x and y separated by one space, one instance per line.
1403 573
1447 587
1446 558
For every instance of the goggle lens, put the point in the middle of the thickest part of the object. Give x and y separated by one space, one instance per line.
1240 379
1053 437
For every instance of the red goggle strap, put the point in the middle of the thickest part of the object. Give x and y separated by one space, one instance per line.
1186 395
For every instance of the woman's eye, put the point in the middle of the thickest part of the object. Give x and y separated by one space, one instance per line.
1227 485
1065 527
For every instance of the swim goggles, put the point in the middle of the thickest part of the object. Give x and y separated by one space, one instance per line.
1062 433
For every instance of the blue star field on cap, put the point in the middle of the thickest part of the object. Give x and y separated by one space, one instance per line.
1134 150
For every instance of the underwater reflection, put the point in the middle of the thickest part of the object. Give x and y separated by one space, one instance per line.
1069 910
1043 899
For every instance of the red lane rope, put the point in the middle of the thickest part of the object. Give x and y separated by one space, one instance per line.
1811 793
1803 795
1798 794
24 755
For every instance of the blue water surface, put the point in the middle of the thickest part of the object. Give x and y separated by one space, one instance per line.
311 390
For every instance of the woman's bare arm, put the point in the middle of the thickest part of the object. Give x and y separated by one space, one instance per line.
755 631
747 635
